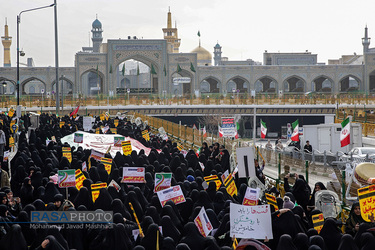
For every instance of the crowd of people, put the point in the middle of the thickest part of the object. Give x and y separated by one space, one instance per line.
32 188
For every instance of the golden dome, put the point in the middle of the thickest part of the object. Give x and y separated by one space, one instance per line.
202 54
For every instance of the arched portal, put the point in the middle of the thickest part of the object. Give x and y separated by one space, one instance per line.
213 83
266 85
322 84
7 87
238 84
137 76
372 81
92 83
205 87
349 84
182 83
294 84
65 86
32 86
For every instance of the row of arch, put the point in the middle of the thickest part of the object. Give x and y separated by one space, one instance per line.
293 84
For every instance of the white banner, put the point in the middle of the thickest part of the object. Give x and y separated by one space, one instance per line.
250 222
203 223
251 196
173 193
245 160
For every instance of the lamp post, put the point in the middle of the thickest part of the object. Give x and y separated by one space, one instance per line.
18 48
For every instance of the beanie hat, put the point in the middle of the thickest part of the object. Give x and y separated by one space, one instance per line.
287 203
190 178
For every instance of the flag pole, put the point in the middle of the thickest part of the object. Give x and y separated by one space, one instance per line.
254 123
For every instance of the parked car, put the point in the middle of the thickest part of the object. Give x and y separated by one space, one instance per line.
359 153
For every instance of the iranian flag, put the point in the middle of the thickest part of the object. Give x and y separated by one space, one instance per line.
263 129
345 132
295 135
220 132
204 132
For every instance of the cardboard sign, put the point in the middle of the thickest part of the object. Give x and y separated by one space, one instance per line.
202 166
67 153
80 177
6 156
107 162
146 135
250 221
133 175
113 130
115 185
203 223
87 123
228 127
224 175
251 197
116 122
366 196
96 155
230 185
162 181
245 159
95 190
62 124
11 141
213 178
318 221
66 178
173 193
126 147
272 201
118 140
78 138
84 166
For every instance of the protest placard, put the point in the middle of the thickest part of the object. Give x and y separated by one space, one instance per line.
230 185
203 223
146 135
116 122
126 147
84 166
87 123
224 175
117 140
162 181
80 177
250 221
213 178
95 190
67 152
113 130
272 201
66 178
107 162
6 156
96 155
251 197
173 193
114 184
245 159
62 124
228 127
78 138
318 221
366 196
133 175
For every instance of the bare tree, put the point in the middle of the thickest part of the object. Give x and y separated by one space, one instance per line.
211 122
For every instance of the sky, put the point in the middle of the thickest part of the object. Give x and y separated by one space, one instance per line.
244 28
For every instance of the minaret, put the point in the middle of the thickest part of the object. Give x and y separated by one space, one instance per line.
97 37
217 54
7 41
170 34
365 42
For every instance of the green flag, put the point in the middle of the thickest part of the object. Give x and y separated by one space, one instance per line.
123 69
110 69
165 71
192 67
137 69
178 68
199 33
153 70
